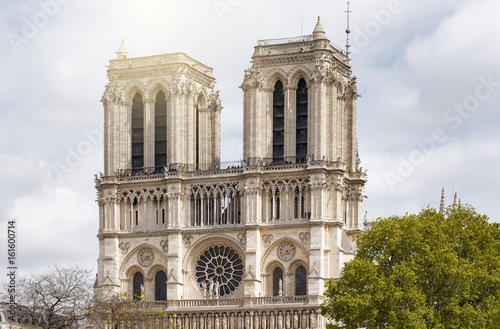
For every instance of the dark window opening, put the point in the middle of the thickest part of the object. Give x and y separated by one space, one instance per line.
300 281
161 286
301 122
138 283
160 131
197 137
137 133
278 122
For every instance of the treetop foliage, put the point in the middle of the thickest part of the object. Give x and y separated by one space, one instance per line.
421 271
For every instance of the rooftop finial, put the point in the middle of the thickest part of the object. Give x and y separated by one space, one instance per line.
442 206
318 32
122 52
347 31
455 200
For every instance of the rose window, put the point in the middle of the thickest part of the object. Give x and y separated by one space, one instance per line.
219 271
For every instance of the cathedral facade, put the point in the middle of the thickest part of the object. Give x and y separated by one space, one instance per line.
242 246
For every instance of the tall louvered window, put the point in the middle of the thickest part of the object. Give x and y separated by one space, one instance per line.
160 131
197 137
137 133
301 122
278 122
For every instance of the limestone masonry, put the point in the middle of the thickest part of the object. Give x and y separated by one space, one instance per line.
249 245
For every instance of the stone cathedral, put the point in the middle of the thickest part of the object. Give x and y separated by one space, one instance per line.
242 246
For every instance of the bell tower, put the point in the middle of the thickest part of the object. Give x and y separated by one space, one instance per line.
300 102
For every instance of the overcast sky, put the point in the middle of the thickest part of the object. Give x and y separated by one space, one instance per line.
428 117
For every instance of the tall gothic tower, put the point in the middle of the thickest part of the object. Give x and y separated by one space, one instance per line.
248 246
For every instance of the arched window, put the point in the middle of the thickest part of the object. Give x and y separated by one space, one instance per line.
137 133
278 122
161 286
301 122
300 281
160 131
278 282
197 137
138 282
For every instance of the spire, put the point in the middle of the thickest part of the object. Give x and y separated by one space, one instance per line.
347 31
318 32
455 200
122 52
442 206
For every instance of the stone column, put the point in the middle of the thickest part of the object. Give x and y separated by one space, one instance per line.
174 275
251 281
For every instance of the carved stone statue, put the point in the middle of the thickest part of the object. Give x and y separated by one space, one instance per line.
224 321
272 321
295 319
204 289
312 321
264 320
280 320
217 321
287 320
247 321
217 289
210 288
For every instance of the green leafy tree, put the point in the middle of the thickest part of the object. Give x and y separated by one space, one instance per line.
421 271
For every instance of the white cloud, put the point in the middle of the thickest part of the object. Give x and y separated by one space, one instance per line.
429 57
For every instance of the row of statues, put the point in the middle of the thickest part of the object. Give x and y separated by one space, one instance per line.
248 320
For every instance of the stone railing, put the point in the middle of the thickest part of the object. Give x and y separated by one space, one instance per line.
236 302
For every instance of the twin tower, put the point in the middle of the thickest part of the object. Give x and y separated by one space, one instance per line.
245 246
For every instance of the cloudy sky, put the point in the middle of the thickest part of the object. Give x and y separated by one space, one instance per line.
428 117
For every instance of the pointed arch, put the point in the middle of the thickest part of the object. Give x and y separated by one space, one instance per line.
300 72
154 86
129 265
273 76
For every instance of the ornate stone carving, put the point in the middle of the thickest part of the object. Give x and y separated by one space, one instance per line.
286 251
304 237
146 257
164 245
124 246
243 238
188 240
252 79
267 239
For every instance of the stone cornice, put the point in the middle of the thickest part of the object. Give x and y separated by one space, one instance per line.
158 71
